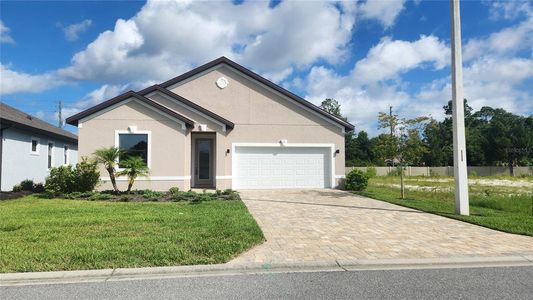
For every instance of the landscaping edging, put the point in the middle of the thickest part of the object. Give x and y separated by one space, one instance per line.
57 277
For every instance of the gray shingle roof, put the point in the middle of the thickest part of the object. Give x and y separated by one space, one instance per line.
10 116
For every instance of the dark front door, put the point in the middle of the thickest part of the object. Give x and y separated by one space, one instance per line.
203 164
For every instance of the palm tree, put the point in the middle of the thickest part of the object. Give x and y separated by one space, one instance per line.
134 167
109 157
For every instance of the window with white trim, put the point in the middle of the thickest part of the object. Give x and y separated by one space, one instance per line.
34 146
50 156
133 144
65 155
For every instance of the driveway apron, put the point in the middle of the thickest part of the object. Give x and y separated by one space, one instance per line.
324 225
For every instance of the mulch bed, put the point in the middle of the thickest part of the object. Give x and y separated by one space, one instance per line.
13 195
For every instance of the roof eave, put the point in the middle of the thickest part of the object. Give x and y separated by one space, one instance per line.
74 120
22 126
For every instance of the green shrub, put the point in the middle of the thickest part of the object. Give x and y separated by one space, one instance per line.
38 188
86 194
174 190
356 180
27 185
73 195
65 179
17 188
105 197
194 197
61 180
100 196
86 175
229 194
371 172
152 195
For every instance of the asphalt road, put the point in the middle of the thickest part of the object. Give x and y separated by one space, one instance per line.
478 283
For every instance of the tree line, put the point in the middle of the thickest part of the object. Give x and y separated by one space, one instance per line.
494 137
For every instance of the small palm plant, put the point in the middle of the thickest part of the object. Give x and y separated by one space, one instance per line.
134 167
109 157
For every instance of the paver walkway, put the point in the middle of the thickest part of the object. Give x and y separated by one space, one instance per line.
324 225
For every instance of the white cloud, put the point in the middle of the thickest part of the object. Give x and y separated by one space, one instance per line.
385 11
105 92
166 38
14 82
507 41
278 77
72 31
509 9
390 58
494 72
5 38
104 58
489 81
174 36
366 90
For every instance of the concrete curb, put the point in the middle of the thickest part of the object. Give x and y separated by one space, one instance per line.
32 278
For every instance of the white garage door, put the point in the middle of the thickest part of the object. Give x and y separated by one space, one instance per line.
281 167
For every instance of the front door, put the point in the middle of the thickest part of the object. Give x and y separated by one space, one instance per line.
203 164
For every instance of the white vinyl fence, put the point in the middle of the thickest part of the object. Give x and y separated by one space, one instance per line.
448 171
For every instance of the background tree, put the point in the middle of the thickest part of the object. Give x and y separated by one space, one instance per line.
404 144
493 137
333 107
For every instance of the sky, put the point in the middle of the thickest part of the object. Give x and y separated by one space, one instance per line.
368 55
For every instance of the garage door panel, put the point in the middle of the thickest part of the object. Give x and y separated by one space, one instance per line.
278 167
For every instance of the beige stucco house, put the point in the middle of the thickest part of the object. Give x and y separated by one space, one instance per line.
219 126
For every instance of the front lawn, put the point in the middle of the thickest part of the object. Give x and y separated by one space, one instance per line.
494 203
57 234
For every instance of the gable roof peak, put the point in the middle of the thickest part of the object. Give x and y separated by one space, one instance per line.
347 126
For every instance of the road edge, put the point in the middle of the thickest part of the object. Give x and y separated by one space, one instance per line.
103 275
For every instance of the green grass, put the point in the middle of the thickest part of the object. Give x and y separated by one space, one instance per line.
57 234
502 208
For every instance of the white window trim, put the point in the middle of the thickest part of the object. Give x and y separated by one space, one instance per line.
52 154
66 153
36 152
331 148
149 137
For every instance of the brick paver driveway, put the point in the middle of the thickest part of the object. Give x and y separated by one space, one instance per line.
325 225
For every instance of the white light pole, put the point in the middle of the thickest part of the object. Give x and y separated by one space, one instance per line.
459 143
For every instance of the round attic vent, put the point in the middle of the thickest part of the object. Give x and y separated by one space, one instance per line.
222 82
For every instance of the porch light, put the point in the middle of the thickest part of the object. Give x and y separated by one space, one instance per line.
227 151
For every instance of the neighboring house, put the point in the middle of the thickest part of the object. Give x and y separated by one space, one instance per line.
30 147
219 126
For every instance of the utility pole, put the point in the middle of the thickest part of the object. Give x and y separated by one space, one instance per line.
459 142
59 117
391 130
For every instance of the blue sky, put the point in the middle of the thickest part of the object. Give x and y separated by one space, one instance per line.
366 54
